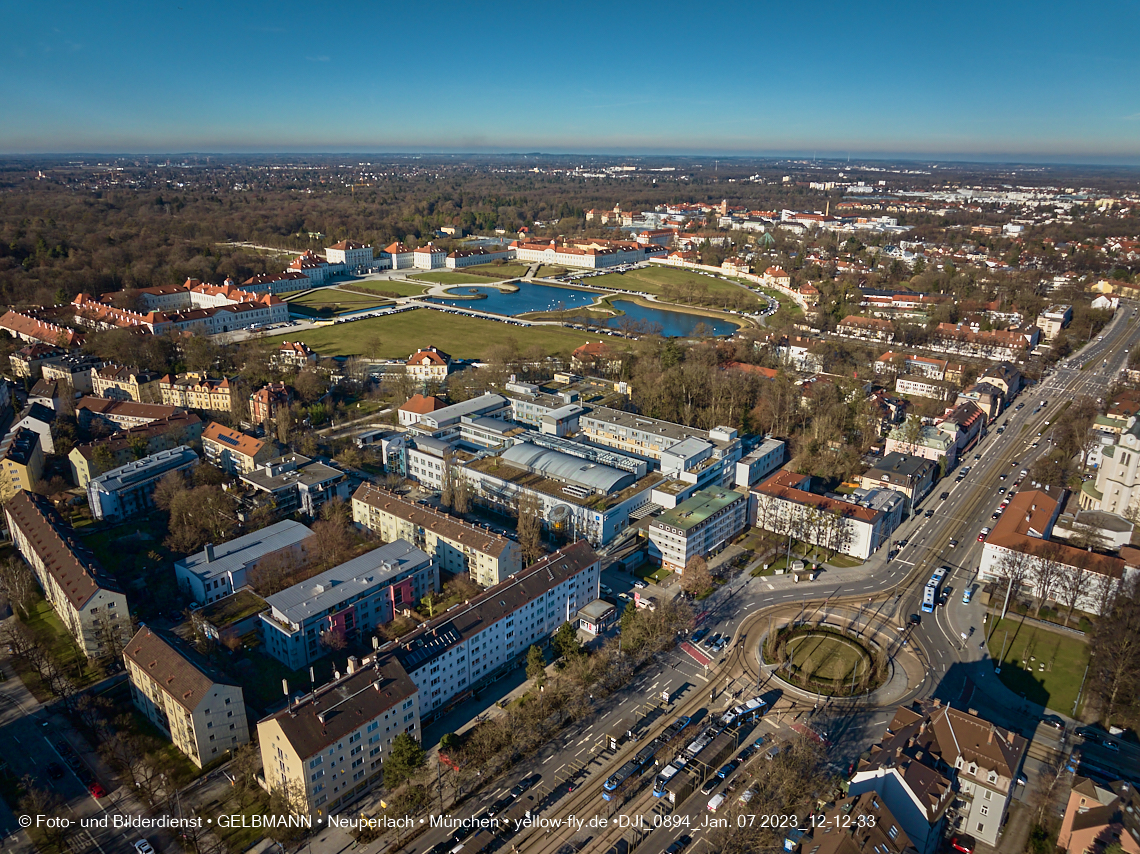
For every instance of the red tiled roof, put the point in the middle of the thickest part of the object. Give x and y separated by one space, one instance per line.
785 485
422 405
232 440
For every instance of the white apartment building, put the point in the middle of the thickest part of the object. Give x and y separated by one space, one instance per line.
89 602
697 527
760 462
218 571
857 527
350 255
458 547
402 257
488 635
129 490
193 703
482 255
328 748
429 257
932 758
920 386
346 602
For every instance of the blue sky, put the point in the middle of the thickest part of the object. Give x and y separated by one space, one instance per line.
1041 81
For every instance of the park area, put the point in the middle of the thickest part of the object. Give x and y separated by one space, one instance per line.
480 273
462 336
386 287
1044 666
675 283
327 302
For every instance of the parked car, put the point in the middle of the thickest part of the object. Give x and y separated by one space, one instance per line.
524 784
55 770
727 769
965 844
710 784
96 790
716 801
640 585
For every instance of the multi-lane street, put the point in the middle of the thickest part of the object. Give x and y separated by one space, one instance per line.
957 669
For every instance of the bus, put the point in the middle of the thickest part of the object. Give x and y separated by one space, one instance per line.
933 590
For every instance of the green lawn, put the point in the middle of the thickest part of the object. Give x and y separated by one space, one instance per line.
134 554
54 638
485 271
404 289
463 336
329 301
1063 657
549 271
659 280
449 278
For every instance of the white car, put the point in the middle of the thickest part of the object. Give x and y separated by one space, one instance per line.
144 847
716 801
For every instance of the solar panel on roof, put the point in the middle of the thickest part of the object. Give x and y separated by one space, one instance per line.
229 440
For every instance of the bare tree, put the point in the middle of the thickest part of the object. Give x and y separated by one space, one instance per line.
529 527
1014 567
1045 572
1070 588
696 578
1114 674
18 584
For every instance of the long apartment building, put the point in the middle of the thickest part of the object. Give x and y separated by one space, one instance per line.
193 703
89 602
219 570
346 602
458 547
697 526
129 490
488 635
198 391
92 459
328 748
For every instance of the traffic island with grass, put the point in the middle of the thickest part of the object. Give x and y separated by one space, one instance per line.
826 660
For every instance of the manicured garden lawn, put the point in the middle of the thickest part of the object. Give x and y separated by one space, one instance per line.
1063 656
498 271
550 271
404 289
336 301
654 279
449 278
462 336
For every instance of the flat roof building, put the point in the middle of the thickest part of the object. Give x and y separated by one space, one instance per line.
129 490
297 484
218 571
309 619
697 526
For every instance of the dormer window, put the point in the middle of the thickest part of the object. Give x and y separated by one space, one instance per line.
973 768
992 777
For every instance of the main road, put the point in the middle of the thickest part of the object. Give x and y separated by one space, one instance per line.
956 670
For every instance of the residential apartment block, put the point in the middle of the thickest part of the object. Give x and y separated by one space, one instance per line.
490 634
233 451
192 702
933 756
217 571
129 490
327 749
1024 535
197 391
125 383
89 603
293 483
28 361
697 527
912 476
72 371
858 524
918 386
92 459
458 547
21 462
120 414
266 401
1099 815
346 603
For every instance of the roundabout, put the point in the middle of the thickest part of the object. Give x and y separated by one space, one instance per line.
825 660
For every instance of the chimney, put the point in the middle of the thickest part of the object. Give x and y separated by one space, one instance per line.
353 664
1009 737
990 737
209 552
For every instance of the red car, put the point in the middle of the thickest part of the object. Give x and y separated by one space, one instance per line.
965 844
96 790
